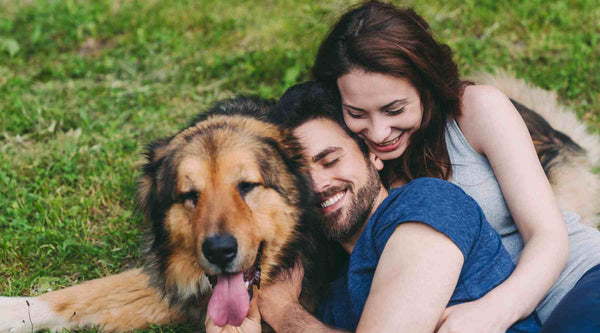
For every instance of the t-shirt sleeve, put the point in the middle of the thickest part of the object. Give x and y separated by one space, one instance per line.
325 310
437 203
335 309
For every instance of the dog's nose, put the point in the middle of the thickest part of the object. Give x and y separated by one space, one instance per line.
220 250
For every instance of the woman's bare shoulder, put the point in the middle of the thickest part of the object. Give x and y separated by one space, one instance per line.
484 107
482 98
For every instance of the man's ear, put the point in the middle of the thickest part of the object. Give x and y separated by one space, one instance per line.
377 162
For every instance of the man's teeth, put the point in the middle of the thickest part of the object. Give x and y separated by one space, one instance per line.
332 200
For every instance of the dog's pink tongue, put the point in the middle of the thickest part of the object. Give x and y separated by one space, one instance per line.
230 301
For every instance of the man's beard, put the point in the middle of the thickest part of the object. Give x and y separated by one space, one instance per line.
346 222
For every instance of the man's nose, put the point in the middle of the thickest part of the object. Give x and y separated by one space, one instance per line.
320 180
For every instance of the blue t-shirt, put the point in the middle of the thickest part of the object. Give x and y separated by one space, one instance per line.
449 210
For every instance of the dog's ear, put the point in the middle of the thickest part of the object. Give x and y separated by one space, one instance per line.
154 156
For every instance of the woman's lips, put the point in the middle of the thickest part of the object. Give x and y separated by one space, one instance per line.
389 145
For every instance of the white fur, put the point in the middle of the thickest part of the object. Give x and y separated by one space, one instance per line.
205 286
16 316
200 287
576 187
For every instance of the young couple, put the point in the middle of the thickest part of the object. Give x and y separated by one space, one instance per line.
423 256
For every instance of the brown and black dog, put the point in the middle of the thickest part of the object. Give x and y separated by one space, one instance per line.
229 204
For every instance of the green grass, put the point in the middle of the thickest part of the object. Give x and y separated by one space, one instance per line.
85 84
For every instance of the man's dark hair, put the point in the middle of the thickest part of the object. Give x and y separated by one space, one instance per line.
310 100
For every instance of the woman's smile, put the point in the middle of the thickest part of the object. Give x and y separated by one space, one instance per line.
389 145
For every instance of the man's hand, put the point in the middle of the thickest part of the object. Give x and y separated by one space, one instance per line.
278 297
473 317
250 325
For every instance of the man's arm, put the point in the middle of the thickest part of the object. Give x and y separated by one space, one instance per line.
414 280
295 318
280 308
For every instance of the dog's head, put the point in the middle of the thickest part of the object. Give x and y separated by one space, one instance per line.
224 198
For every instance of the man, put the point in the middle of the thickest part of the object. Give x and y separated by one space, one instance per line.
413 251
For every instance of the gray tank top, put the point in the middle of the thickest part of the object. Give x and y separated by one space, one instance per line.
473 173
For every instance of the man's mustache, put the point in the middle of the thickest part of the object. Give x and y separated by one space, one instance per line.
332 191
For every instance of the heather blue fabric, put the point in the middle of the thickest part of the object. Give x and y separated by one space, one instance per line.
446 208
579 310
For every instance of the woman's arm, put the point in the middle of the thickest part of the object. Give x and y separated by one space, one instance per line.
414 280
494 128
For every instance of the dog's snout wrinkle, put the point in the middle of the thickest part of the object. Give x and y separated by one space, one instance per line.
220 250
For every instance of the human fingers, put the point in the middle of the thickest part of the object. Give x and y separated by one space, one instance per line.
253 312
441 320
210 326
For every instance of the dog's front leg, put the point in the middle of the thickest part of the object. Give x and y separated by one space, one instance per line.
115 303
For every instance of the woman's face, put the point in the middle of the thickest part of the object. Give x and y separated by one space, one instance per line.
383 110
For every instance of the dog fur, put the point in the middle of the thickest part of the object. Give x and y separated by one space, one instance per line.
173 286
575 186
249 180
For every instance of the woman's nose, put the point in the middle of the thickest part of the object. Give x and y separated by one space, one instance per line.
379 130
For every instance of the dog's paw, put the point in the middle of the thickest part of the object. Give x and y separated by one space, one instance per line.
27 314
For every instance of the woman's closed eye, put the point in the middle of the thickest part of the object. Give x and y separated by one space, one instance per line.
354 114
394 111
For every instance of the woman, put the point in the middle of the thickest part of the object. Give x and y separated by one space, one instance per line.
401 94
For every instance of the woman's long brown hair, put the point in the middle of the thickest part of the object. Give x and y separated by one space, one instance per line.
382 38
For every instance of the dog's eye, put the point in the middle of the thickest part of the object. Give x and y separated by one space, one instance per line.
245 187
189 198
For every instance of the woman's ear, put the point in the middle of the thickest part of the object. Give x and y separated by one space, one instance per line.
377 162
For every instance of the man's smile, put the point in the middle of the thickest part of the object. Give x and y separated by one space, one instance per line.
333 202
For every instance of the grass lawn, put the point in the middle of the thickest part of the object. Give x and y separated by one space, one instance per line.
84 85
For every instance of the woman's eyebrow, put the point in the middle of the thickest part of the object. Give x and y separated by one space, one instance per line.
397 101
353 107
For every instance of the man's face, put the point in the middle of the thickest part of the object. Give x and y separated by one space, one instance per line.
346 182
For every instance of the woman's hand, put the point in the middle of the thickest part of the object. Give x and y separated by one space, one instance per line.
280 295
474 317
250 325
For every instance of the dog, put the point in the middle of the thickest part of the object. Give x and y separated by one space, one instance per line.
230 178
229 205
568 153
